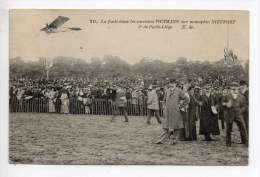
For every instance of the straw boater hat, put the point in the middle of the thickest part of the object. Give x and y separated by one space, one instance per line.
234 84
197 87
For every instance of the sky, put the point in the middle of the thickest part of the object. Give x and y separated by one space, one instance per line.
127 41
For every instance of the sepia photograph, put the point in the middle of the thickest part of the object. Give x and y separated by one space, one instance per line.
129 87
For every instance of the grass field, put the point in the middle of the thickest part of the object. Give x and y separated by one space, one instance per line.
88 139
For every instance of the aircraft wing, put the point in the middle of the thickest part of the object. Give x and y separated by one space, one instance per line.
58 22
44 29
75 28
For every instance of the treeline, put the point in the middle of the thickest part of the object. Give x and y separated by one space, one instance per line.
113 66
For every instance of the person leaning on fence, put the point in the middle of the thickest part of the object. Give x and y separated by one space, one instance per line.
57 101
120 104
153 105
50 95
134 101
64 102
80 99
87 101
141 100
235 105
73 99
111 98
173 119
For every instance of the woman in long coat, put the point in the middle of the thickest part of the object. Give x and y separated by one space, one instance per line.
208 119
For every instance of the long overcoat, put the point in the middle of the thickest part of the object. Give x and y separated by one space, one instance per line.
208 120
173 118
192 117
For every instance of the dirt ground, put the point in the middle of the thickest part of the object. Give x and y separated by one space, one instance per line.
88 139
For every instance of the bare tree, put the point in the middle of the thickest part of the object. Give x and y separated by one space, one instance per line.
46 65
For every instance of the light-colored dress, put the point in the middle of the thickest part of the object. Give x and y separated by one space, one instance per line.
64 103
51 105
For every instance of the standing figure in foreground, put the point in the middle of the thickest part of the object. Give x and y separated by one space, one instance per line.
208 118
192 116
184 106
245 92
221 109
120 104
235 105
173 118
153 105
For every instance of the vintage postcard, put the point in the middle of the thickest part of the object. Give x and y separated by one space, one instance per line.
129 87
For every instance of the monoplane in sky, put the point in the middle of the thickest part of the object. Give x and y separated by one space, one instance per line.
56 26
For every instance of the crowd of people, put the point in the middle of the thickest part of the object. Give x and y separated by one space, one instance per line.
183 103
74 96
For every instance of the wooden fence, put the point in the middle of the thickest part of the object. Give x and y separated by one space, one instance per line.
97 107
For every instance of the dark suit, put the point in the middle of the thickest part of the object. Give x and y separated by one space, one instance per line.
234 113
246 115
208 120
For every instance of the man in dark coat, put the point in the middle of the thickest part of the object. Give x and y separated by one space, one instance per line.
221 109
192 117
235 105
208 118
57 100
244 91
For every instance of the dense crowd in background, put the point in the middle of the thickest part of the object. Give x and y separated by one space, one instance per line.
182 92
202 101
69 91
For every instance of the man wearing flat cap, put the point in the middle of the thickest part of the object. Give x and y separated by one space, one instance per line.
235 105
